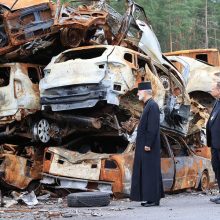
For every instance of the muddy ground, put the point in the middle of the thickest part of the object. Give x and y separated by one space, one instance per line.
186 205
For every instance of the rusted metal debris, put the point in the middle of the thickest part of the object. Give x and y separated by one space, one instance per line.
80 98
24 27
19 168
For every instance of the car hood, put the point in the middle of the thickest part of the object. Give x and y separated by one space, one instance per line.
21 3
72 72
75 157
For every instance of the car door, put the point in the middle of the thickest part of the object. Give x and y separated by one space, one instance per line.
167 164
185 165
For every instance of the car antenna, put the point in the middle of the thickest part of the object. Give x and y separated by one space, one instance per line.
14 4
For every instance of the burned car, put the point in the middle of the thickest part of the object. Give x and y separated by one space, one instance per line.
19 99
29 27
99 83
199 77
105 164
23 21
210 56
35 30
20 168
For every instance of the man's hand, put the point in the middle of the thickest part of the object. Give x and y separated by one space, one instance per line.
146 148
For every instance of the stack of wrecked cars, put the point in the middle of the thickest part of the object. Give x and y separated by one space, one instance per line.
69 120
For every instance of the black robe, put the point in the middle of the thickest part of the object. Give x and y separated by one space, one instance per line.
146 182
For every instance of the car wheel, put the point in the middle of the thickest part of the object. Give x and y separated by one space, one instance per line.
71 37
41 131
88 199
204 181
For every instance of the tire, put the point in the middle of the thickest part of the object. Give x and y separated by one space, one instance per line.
71 37
88 199
204 181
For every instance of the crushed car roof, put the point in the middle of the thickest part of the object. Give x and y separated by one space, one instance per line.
18 4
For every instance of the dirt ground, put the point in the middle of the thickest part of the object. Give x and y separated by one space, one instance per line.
187 206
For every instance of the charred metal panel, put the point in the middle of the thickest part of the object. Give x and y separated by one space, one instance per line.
80 184
72 164
186 173
19 171
125 164
79 23
13 5
28 24
111 172
168 173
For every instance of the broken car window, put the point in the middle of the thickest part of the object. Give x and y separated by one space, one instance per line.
128 57
101 144
4 76
33 75
202 57
141 62
81 54
163 150
177 148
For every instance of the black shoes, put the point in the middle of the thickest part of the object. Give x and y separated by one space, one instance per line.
150 204
215 200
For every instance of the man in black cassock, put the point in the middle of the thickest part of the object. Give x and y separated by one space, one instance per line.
213 136
146 185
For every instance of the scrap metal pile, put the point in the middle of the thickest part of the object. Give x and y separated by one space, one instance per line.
68 105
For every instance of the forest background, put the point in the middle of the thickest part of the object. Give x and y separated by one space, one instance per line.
181 24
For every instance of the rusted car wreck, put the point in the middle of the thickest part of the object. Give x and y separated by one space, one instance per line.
20 167
199 78
19 98
95 170
29 27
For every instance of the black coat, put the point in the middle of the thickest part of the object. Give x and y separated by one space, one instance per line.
213 128
146 182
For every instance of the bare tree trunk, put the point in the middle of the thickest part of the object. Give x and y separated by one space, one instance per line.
171 40
206 25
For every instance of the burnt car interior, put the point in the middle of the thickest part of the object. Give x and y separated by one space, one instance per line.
34 75
179 150
4 76
99 144
81 54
